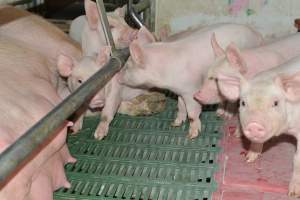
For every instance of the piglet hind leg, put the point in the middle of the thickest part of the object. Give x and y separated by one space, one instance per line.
294 186
193 109
77 124
103 127
107 116
112 103
181 113
78 119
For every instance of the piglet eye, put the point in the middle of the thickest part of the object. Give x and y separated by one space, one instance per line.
243 103
79 81
275 103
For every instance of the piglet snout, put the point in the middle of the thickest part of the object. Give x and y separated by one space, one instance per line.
255 130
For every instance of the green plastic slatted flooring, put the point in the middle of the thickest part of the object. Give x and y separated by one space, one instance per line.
144 158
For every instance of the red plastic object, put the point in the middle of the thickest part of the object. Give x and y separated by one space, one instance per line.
265 179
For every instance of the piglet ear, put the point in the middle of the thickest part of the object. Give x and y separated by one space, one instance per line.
136 53
235 58
218 51
103 56
65 65
144 36
91 12
229 86
121 11
290 85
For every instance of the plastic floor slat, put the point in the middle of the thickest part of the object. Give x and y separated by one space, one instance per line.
144 158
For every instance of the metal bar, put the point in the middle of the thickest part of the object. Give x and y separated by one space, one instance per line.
133 14
20 2
17 153
152 26
105 25
147 15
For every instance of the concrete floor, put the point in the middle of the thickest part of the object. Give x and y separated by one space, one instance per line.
265 179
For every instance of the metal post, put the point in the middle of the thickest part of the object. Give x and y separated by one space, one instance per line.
133 14
105 25
17 153
147 15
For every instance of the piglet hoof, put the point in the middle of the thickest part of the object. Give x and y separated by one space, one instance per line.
101 131
294 189
177 123
220 112
252 156
195 128
193 133
99 135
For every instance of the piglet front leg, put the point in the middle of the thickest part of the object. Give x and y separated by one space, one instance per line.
112 103
221 109
194 110
294 187
254 152
238 131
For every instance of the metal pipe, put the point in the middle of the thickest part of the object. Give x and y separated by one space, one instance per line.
147 15
17 153
133 14
105 25
20 2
